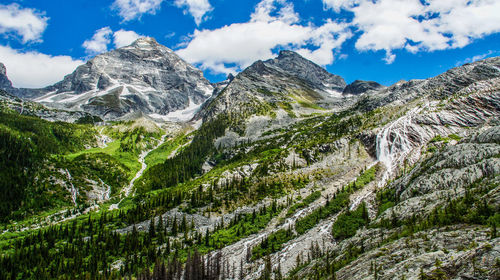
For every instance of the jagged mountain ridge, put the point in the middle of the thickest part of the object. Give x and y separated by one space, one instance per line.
440 86
124 83
288 83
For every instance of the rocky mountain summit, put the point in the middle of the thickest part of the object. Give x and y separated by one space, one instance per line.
289 84
143 78
360 87
310 73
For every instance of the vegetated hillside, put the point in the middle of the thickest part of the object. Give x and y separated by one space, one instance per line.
397 182
50 166
26 145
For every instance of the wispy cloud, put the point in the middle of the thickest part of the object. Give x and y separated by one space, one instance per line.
99 42
122 38
130 10
133 9
196 8
476 57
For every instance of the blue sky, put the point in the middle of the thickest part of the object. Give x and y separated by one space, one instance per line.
381 40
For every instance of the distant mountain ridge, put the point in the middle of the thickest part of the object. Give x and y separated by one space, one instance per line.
288 82
149 79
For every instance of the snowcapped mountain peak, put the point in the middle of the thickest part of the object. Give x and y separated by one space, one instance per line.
144 77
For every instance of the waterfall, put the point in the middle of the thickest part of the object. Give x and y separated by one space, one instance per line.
393 144
73 190
107 193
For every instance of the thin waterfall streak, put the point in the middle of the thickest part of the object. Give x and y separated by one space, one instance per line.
393 143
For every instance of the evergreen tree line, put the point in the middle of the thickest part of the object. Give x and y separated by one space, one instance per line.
188 162
88 248
196 267
470 209
25 143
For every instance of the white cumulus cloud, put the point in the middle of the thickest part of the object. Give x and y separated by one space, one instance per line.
415 25
274 23
99 42
134 9
122 38
197 8
27 23
34 69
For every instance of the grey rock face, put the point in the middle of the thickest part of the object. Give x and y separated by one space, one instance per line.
439 87
30 108
309 72
283 79
3 71
4 80
445 175
143 77
460 252
360 87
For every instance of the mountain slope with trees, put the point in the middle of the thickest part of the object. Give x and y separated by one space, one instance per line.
283 174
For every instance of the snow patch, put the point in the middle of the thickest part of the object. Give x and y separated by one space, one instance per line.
46 98
207 89
183 115
333 93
